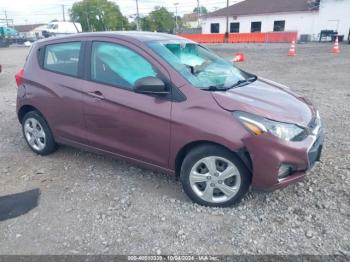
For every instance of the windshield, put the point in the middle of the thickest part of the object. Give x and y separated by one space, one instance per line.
201 67
52 26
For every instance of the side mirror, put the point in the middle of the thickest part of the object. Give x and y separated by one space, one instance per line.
150 85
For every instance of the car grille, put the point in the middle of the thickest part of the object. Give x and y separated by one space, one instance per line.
313 128
315 151
313 123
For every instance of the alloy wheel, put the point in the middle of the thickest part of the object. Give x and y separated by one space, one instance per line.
34 134
215 179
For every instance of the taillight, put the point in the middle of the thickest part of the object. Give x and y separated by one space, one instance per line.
19 77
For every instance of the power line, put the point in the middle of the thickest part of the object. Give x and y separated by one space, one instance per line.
143 8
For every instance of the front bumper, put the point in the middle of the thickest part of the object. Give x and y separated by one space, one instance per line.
268 154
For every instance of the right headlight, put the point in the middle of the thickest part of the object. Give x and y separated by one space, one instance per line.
258 125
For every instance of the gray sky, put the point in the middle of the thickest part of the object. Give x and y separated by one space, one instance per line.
42 11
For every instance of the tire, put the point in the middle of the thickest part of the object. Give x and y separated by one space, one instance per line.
38 134
213 186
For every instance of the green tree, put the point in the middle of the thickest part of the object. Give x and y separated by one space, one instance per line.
160 20
147 24
98 15
203 10
132 26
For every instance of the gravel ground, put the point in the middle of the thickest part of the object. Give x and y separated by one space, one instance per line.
92 204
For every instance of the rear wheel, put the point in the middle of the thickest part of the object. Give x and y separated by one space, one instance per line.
214 176
38 134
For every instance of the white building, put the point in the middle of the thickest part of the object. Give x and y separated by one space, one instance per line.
307 17
30 31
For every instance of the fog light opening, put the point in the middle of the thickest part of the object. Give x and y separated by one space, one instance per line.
285 170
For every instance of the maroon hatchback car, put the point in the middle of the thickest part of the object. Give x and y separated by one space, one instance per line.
169 104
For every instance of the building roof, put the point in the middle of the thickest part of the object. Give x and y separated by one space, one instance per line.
26 28
255 7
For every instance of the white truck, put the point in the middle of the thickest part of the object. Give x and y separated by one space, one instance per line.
61 28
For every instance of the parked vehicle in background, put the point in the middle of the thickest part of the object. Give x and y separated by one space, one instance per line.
61 28
7 32
328 35
7 36
169 104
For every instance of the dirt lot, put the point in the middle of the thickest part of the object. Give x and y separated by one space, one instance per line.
92 204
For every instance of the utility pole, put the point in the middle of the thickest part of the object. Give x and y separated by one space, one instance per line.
138 27
226 33
7 22
63 14
198 13
176 25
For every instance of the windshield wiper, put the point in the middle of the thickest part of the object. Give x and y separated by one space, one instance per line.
215 88
245 81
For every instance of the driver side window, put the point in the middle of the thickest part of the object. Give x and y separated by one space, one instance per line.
118 65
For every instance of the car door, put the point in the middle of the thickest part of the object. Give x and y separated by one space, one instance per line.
119 120
58 87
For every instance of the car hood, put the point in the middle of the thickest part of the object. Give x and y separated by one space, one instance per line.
267 99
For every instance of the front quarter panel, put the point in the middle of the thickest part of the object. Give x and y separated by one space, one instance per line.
200 119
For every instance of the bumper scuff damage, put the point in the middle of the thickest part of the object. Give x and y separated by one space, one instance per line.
277 163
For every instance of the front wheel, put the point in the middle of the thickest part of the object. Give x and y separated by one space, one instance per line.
214 176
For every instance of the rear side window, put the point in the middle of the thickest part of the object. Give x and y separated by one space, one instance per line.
63 58
118 65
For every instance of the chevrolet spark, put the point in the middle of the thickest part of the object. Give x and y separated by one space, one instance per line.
171 105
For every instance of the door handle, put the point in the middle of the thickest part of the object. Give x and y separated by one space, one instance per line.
96 94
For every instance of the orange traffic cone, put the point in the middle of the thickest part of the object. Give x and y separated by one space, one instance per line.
291 51
239 57
336 49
